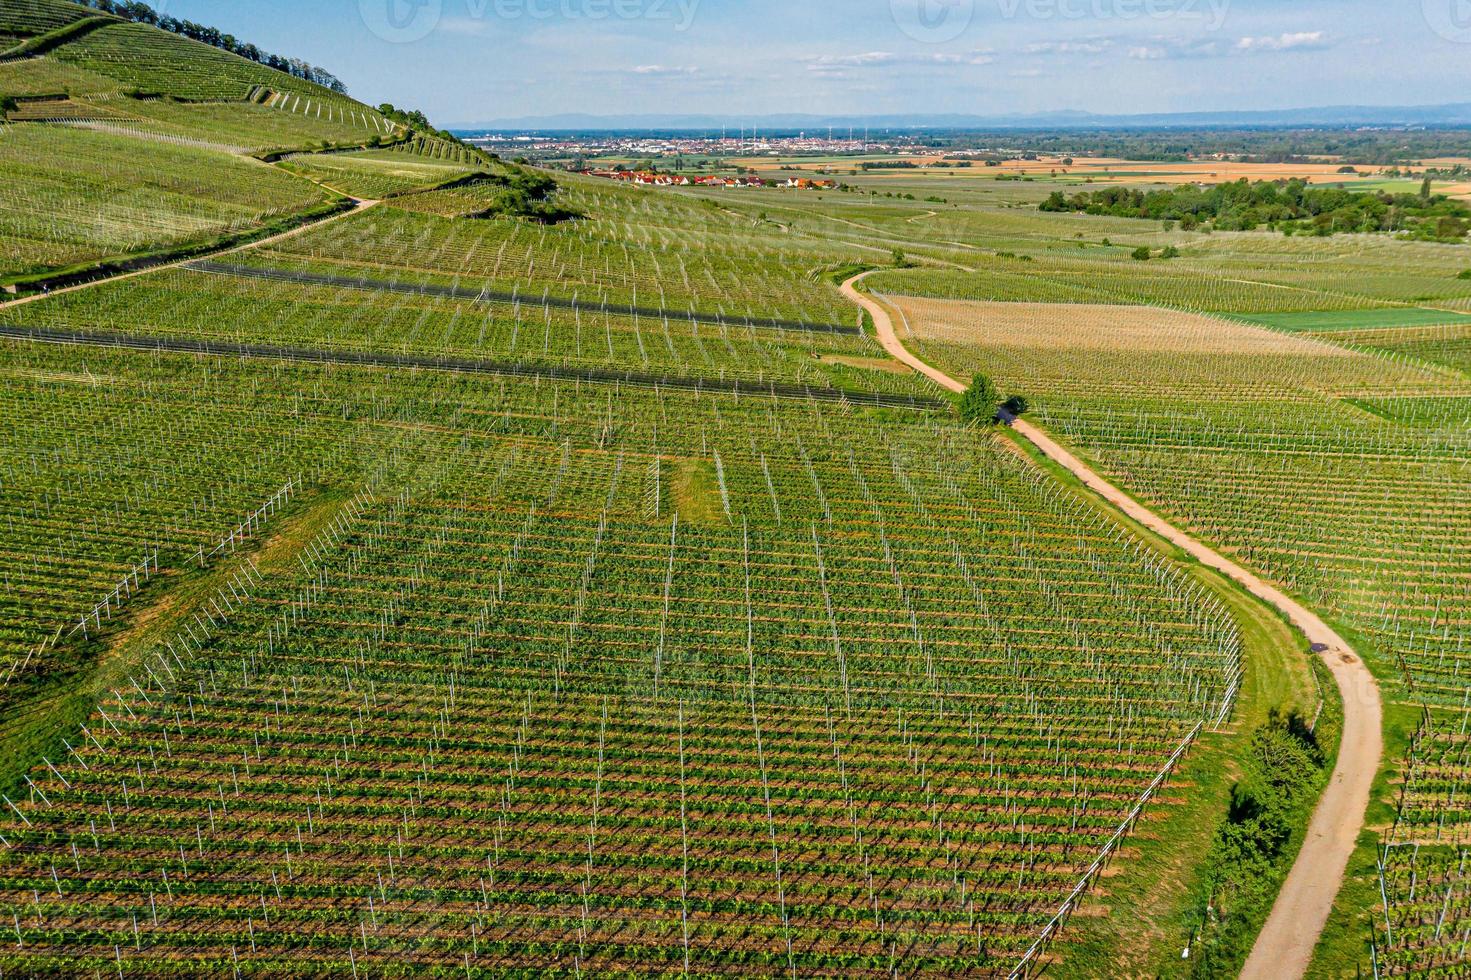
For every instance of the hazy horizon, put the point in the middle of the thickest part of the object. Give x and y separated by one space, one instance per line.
466 62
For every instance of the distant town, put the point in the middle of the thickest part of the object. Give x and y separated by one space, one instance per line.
652 178
745 144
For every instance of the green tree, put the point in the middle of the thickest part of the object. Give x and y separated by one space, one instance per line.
978 404
1141 254
1425 189
1016 405
1170 252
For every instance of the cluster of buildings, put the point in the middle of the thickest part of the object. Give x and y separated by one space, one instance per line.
652 179
640 146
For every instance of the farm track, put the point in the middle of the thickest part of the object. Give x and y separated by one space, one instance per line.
492 296
504 369
357 206
1285 945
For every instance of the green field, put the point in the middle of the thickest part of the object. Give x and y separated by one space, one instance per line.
377 174
55 213
154 154
438 592
1341 475
1351 320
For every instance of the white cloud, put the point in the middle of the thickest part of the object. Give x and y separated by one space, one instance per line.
666 70
841 64
1302 40
1087 45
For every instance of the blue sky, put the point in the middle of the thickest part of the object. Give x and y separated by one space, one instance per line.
464 61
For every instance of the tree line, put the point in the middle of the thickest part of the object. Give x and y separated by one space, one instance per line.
141 13
1290 206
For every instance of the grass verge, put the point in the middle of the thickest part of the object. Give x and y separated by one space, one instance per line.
1150 906
57 705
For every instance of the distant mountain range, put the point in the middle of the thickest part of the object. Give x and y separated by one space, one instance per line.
1457 114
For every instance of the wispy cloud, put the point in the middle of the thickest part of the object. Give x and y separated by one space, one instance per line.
1172 48
664 70
1302 40
1166 48
1088 45
842 64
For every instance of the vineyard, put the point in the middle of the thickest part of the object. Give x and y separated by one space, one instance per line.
1340 471
739 686
377 174
55 214
527 574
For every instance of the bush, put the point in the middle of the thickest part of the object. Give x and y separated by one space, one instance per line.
1016 405
1171 252
1465 275
978 404
1141 254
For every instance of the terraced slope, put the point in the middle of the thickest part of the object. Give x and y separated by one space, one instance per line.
68 195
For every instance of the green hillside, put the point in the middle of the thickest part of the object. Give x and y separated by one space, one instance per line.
122 139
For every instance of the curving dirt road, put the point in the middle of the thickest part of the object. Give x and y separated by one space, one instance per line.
1285 946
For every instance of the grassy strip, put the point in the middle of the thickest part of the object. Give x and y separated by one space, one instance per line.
42 43
1256 843
1343 949
839 274
139 261
57 704
326 148
1150 905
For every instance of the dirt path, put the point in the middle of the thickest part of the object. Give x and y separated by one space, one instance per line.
357 206
1285 947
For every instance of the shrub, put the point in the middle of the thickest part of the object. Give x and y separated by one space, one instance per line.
1141 254
978 404
1465 275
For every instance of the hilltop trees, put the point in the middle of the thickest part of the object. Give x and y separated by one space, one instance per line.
142 13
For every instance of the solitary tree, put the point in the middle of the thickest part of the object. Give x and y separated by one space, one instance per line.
978 404
1016 405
